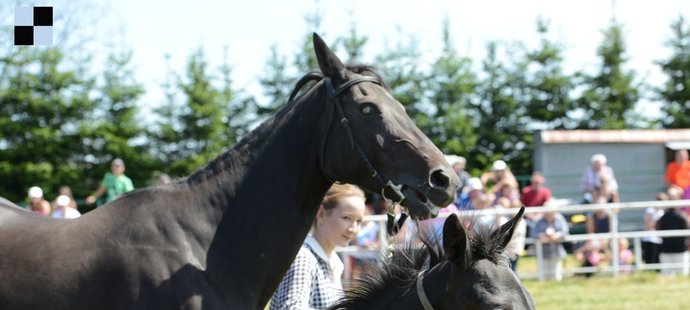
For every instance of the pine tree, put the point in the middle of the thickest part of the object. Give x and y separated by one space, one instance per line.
547 89
44 106
676 90
450 88
609 96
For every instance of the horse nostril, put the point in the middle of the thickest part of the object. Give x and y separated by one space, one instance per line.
440 178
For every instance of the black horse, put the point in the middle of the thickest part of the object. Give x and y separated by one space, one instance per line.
472 274
223 237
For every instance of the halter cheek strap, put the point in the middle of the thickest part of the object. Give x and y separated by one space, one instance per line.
421 293
386 185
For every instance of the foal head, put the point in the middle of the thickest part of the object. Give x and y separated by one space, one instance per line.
372 142
473 273
480 276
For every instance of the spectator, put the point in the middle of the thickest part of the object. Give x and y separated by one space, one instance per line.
502 182
678 171
313 280
458 163
473 189
114 183
591 254
535 194
163 179
673 249
516 245
650 245
499 177
368 235
64 209
593 251
550 230
67 191
37 203
591 181
486 222
625 256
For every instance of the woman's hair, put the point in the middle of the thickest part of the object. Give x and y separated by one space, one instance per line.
338 192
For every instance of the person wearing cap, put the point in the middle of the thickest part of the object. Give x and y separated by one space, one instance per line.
501 182
114 183
599 180
37 203
473 190
458 163
63 208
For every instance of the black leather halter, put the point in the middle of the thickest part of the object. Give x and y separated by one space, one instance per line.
333 96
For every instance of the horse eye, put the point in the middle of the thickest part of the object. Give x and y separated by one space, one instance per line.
367 109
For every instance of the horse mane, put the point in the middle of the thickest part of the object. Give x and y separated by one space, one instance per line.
226 160
402 265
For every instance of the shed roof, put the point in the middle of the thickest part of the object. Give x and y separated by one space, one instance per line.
615 136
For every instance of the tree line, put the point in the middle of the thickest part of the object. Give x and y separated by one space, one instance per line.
62 124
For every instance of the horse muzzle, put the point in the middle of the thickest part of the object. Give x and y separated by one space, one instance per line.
425 201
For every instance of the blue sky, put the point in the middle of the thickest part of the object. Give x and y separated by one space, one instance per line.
249 28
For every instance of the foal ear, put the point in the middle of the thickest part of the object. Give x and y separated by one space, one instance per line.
504 233
329 63
455 241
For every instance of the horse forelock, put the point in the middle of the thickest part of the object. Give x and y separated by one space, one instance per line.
483 245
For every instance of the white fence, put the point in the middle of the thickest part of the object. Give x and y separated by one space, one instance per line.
611 208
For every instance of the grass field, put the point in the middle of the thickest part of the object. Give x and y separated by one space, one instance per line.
640 290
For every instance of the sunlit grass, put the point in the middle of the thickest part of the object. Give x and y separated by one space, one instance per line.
640 290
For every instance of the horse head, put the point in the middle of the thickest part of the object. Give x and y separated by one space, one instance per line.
480 276
370 133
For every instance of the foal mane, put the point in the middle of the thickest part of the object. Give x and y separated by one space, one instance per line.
402 265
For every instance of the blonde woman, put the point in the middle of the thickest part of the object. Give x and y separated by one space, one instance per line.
313 280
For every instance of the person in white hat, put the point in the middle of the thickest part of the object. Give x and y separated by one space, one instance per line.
64 209
599 182
36 202
501 182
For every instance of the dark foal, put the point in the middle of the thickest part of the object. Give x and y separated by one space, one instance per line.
472 274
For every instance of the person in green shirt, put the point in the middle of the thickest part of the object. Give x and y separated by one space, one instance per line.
113 184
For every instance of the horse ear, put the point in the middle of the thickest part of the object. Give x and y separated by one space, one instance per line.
330 64
455 242
504 233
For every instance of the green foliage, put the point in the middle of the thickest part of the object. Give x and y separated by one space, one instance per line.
62 125
503 133
43 109
193 133
116 130
399 67
546 89
450 90
676 91
610 96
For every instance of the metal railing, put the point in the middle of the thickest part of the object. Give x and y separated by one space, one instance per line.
614 235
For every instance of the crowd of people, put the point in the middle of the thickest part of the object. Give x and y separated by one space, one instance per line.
113 184
498 188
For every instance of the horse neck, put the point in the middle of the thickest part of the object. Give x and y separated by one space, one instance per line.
262 197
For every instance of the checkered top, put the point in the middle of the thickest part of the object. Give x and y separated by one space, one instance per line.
307 284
